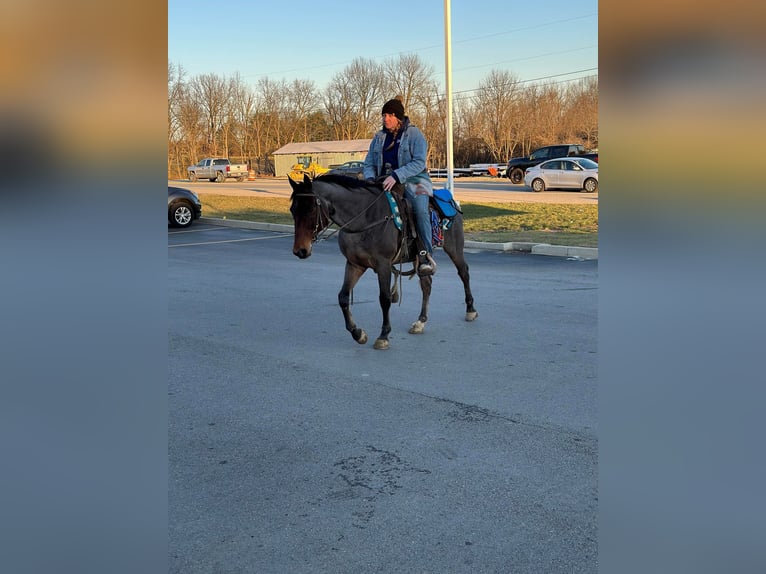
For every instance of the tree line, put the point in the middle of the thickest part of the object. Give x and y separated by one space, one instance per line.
210 115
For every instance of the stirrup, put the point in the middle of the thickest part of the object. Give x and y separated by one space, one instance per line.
426 264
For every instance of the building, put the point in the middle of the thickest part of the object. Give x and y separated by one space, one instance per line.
324 154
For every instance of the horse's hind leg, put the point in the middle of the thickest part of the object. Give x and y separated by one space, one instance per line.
350 279
453 246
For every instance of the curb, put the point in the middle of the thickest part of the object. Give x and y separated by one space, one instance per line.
523 246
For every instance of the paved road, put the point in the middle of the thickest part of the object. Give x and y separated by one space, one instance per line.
470 448
476 189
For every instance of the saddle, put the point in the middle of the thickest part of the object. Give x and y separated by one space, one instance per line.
411 244
442 209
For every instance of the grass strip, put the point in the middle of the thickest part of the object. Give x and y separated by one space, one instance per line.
554 223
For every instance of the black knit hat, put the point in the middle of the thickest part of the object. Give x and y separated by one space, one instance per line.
394 106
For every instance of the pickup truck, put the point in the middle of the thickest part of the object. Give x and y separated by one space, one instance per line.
217 169
518 165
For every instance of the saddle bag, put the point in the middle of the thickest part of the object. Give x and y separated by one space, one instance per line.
446 206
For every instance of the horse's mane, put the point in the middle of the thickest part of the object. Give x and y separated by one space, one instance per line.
347 181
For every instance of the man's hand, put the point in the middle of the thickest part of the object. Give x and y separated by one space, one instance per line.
388 183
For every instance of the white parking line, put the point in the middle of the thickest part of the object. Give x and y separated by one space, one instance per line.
188 231
230 240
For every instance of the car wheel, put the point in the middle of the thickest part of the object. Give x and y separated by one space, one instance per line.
192 176
517 175
538 185
220 177
241 178
181 214
590 185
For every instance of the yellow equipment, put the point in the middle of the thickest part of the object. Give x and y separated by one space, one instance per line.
308 167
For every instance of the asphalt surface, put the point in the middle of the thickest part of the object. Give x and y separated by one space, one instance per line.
292 449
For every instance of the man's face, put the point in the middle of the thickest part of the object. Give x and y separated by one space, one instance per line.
390 121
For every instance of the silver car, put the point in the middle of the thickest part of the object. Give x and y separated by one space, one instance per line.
563 173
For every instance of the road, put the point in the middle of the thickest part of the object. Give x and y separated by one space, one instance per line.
470 189
470 448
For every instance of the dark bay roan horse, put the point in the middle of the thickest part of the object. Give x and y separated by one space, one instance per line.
369 239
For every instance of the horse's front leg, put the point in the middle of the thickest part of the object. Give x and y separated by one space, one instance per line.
384 286
425 286
350 279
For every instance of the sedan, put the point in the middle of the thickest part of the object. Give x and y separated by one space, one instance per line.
563 173
183 207
350 168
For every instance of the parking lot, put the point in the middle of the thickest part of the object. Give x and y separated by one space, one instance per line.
470 448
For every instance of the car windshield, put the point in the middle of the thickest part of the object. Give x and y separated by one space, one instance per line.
586 163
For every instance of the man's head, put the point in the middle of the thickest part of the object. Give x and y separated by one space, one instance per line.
393 113
394 107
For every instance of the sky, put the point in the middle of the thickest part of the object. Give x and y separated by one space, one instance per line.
542 42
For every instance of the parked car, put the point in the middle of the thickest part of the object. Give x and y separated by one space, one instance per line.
183 207
350 168
563 173
516 166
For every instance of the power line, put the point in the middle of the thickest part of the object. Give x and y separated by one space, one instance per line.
542 78
528 58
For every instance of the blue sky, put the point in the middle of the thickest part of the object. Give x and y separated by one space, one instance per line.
302 40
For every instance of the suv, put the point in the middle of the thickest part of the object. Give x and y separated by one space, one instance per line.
184 207
518 165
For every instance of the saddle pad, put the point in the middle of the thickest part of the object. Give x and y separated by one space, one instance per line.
394 210
445 204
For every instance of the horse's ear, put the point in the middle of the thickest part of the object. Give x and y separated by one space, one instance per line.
306 179
293 183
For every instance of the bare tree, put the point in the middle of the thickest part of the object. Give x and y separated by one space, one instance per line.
272 109
242 106
185 123
352 99
409 77
581 114
175 134
495 105
303 100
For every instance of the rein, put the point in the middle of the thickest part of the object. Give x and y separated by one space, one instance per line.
323 213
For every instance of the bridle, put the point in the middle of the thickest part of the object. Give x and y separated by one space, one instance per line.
323 218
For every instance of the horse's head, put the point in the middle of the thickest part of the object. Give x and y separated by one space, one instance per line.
308 216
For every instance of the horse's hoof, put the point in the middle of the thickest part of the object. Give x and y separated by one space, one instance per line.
362 338
381 344
417 328
471 316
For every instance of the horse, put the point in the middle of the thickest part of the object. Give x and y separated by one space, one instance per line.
369 238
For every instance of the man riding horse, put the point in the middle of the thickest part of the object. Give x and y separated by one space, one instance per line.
398 153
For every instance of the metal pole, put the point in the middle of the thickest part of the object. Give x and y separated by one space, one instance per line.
448 86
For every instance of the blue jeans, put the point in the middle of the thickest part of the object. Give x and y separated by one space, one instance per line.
419 203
